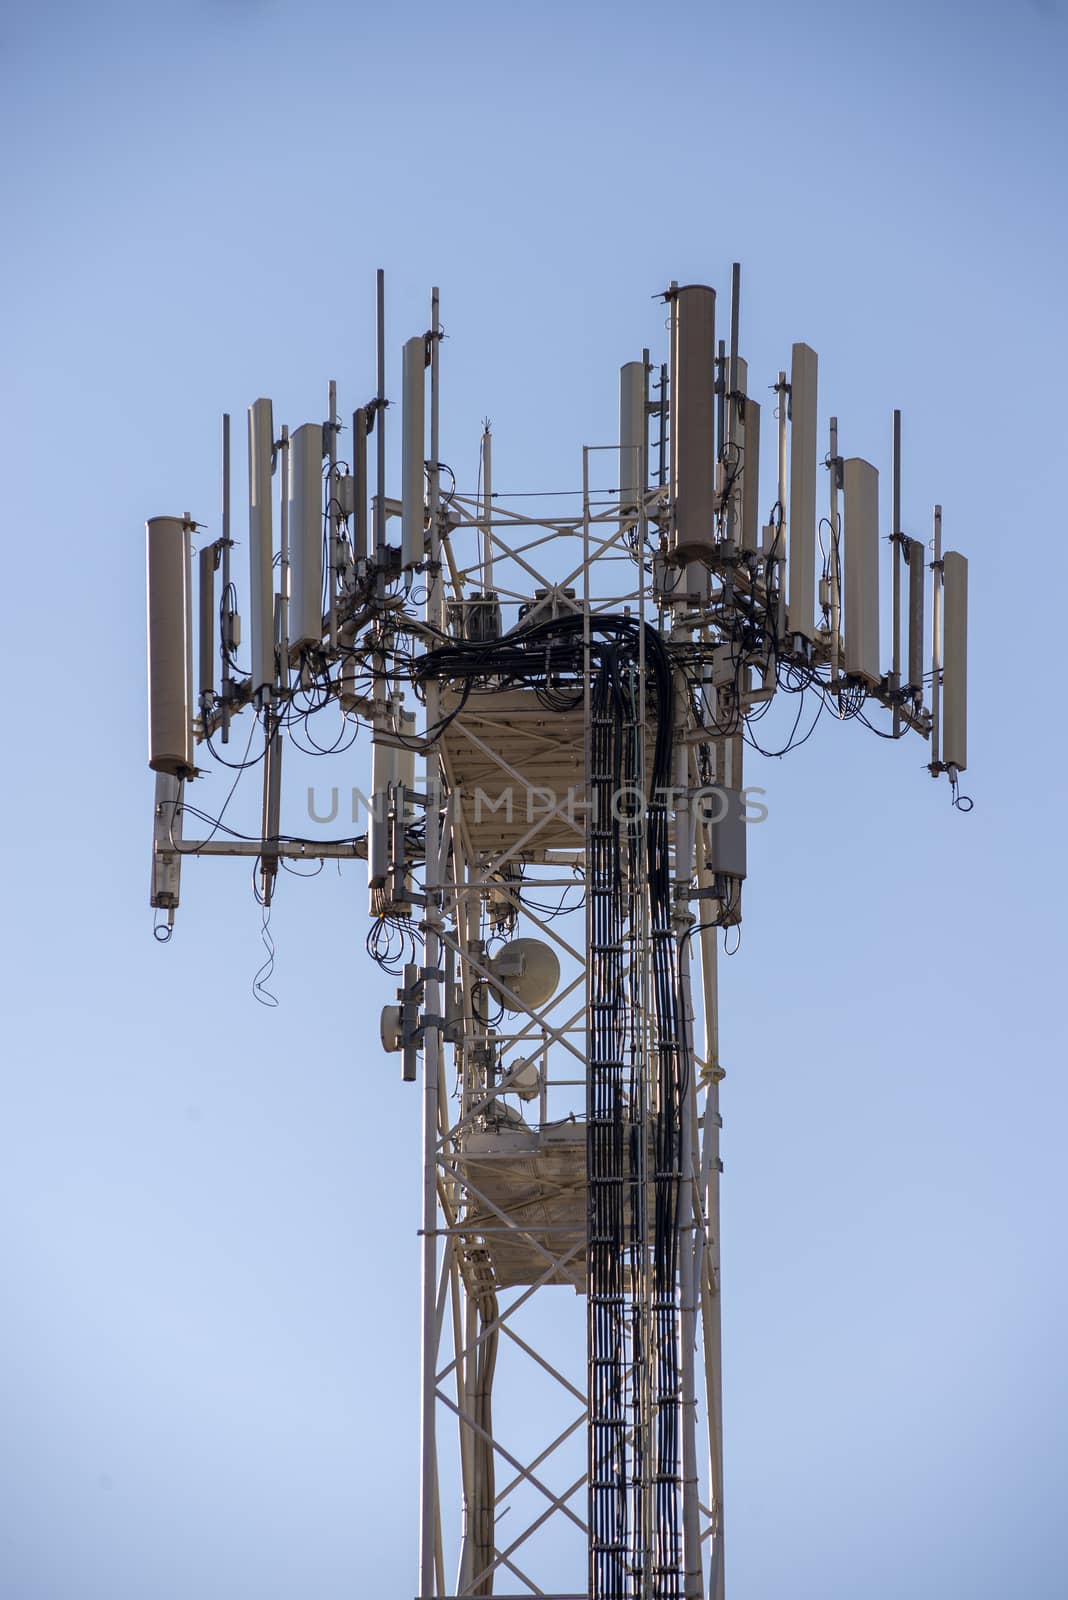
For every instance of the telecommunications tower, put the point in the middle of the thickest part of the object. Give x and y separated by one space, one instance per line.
558 708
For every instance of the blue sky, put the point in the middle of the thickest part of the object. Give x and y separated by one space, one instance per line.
207 1210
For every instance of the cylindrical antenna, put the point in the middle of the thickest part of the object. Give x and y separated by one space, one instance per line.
435 588
261 549
380 423
359 474
672 410
633 423
283 573
487 509
736 293
224 641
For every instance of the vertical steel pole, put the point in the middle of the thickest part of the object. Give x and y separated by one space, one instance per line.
432 1041
731 412
782 389
673 404
487 509
895 551
722 386
592 1463
708 1273
435 587
380 422
332 522
936 645
835 572
226 689
691 1533
662 466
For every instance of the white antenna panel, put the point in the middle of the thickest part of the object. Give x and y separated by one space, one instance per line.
413 453
260 543
693 422
801 518
955 671
860 559
306 534
632 438
170 646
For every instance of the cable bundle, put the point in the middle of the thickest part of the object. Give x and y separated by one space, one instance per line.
631 1296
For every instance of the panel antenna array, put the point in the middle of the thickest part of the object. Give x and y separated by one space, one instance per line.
558 708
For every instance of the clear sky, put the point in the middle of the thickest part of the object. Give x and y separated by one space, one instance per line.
207 1209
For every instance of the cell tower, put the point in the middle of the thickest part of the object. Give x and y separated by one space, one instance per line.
557 708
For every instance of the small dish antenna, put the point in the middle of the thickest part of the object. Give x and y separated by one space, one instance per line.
529 969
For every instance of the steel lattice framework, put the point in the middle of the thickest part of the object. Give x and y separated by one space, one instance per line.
579 690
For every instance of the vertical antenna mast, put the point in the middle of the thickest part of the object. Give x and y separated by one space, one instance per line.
380 421
835 547
936 644
332 517
429 1578
895 552
779 533
226 643
732 464
261 549
736 307
487 508
283 567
